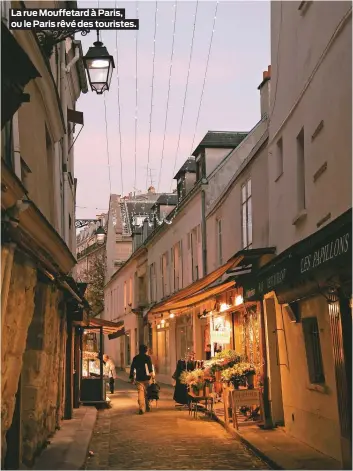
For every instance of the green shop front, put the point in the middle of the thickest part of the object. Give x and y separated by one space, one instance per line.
319 266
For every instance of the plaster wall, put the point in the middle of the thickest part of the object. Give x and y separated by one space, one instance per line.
323 110
310 411
229 212
224 172
188 218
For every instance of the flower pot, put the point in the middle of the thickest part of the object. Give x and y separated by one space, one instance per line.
206 391
250 381
218 376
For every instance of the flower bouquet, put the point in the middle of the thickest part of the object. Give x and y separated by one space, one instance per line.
195 380
234 375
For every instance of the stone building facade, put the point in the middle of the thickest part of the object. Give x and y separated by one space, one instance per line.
39 298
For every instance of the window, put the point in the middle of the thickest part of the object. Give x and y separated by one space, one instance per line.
130 290
313 350
164 271
7 143
125 295
246 215
219 242
279 158
177 266
153 294
194 254
300 171
181 188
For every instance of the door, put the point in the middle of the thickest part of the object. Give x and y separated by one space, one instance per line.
273 362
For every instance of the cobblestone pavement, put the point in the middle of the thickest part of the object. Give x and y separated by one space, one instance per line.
165 438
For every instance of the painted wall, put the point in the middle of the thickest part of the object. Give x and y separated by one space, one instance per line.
229 212
328 99
311 90
188 218
218 181
214 157
310 411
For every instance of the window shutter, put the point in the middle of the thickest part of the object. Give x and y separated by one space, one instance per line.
313 349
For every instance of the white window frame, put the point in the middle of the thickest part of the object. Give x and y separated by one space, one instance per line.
246 215
219 242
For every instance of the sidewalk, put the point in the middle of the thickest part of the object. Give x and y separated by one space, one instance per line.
280 450
69 447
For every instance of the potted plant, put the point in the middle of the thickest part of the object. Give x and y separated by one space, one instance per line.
234 375
249 373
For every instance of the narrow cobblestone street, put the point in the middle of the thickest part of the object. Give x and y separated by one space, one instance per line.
165 438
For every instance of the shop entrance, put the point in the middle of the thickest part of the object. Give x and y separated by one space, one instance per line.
127 349
184 336
274 367
13 435
163 351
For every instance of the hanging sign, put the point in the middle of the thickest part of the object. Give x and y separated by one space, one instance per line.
220 333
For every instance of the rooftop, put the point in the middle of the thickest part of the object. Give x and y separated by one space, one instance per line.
226 139
188 166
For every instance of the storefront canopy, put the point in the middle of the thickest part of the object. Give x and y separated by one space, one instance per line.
201 296
301 269
109 328
196 288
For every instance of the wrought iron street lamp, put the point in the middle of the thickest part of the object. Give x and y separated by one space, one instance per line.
98 62
99 65
100 234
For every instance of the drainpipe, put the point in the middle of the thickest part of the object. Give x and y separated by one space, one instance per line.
65 145
268 424
204 184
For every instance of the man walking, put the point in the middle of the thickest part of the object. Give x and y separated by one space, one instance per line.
141 372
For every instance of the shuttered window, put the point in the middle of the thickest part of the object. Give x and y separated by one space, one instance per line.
313 350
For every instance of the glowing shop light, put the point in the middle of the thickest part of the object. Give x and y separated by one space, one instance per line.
239 300
223 307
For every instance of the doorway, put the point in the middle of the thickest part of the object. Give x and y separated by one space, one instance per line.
13 435
274 368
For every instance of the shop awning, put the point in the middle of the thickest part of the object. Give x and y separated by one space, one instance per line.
199 297
299 270
196 287
109 327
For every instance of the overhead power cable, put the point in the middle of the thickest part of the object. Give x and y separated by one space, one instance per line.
205 76
186 90
136 102
168 95
153 63
119 112
107 144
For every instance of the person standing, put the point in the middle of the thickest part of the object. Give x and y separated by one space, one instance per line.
110 371
141 372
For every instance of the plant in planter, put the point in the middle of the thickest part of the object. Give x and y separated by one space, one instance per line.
234 375
249 372
194 380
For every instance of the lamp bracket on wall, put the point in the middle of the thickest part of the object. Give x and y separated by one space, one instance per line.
48 39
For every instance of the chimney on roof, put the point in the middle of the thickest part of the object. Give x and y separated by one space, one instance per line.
265 89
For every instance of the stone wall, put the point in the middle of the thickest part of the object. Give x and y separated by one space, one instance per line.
43 371
16 319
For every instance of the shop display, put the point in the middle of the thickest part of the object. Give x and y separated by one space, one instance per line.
92 382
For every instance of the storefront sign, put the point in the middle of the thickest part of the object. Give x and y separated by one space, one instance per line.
220 331
315 256
222 337
246 397
325 253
